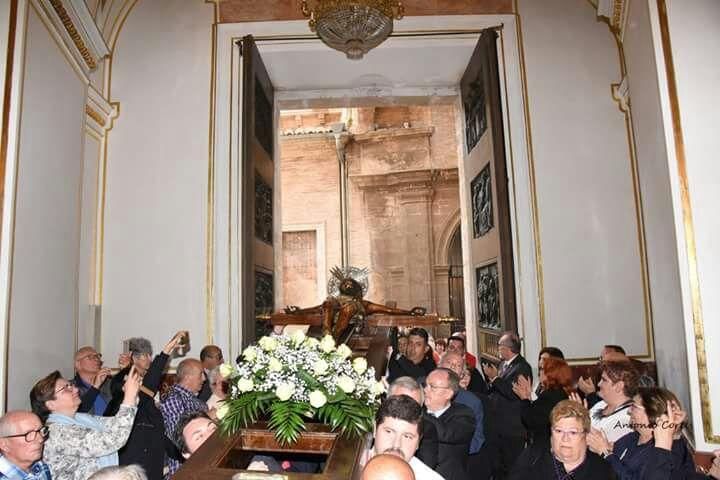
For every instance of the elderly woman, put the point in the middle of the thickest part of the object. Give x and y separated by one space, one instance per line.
568 456
655 450
556 380
148 443
217 387
80 444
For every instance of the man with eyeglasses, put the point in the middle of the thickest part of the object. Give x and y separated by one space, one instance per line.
22 437
92 381
211 357
455 423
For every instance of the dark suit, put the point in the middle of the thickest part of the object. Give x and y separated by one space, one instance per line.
536 415
510 431
455 428
428 449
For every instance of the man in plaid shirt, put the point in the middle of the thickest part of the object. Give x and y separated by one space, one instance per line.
182 399
22 437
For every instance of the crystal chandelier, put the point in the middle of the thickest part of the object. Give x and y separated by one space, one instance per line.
353 26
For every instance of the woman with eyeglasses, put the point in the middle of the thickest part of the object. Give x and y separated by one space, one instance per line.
568 457
80 444
655 450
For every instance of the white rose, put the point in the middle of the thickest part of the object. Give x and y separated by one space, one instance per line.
268 343
245 384
249 354
378 388
226 370
343 351
320 367
327 344
274 365
346 384
222 410
284 391
311 342
317 399
298 337
359 365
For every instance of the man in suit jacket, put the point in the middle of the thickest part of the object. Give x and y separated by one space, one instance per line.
455 423
416 362
510 432
427 451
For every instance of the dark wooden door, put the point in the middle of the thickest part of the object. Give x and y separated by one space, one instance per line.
491 249
257 205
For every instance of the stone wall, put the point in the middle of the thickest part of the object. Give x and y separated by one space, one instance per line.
403 198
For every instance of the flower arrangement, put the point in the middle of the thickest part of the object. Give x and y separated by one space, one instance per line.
290 378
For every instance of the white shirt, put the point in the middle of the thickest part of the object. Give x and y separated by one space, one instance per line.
422 471
439 412
615 425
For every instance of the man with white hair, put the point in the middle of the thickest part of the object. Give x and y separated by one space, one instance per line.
92 381
22 437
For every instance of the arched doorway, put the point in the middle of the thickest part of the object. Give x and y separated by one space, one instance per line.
456 292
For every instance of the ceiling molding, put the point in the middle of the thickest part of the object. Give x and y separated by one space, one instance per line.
99 113
73 21
615 11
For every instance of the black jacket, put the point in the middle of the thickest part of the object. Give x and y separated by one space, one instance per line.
428 449
507 405
400 366
147 443
537 463
536 415
455 429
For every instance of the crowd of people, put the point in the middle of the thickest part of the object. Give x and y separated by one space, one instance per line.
446 416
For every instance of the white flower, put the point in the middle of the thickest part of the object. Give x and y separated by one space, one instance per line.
250 353
268 343
298 337
274 365
359 365
343 351
222 410
311 343
346 384
317 399
327 344
284 391
245 384
226 370
378 388
320 367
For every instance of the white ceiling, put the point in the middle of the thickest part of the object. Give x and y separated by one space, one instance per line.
397 63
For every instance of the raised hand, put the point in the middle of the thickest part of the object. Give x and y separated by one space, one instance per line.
522 387
663 430
101 376
131 387
124 360
292 309
598 442
586 385
575 397
173 343
490 371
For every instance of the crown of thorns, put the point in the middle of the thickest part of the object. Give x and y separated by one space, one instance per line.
340 274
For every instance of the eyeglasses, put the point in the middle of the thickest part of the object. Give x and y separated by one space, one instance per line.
435 388
68 386
572 434
32 434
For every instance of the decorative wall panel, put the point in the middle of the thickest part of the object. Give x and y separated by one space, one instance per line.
482 207
488 296
263 210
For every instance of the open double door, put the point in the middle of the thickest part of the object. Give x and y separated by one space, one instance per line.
490 292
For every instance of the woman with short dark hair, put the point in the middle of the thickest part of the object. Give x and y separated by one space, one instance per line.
80 444
655 450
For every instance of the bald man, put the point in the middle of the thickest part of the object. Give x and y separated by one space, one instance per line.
182 399
22 437
387 467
